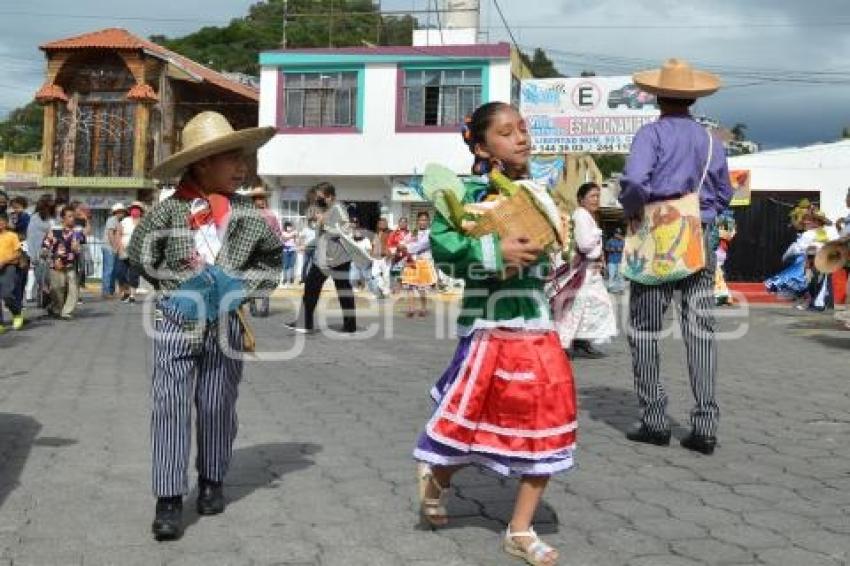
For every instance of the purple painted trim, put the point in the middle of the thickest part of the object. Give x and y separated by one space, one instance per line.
280 120
400 126
428 129
485 50
328 130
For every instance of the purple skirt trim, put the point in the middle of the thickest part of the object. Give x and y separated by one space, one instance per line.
435 453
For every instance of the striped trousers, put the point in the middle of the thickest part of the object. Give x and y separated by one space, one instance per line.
647 305
188 365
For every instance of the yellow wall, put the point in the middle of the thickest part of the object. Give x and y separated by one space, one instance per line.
20 167
518 68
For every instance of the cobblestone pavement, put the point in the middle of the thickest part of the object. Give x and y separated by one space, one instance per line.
322 472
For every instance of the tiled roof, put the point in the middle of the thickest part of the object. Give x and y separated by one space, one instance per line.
144 93
118 38
50 92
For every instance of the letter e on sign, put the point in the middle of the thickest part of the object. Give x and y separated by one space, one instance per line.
586 96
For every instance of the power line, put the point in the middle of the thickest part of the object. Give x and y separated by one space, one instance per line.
505 22
439 22
731 70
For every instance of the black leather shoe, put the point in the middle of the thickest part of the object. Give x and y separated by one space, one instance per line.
584 349
643 434
168 522
210 497
698 443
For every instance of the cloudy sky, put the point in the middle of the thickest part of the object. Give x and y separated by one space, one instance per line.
786 63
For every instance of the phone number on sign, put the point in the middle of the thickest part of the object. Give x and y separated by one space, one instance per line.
581 147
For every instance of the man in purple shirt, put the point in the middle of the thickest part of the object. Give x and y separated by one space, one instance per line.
667 161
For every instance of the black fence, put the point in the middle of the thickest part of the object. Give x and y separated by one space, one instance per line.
763 235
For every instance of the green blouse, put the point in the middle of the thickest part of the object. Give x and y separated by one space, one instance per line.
489 299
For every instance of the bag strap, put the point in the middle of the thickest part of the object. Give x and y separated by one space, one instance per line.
707 161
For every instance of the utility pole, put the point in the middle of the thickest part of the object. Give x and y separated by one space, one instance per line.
285 14
331 26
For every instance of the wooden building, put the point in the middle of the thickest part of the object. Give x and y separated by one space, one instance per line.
115 104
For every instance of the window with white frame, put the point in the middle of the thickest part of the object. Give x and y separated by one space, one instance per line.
294 211
320 100
440 97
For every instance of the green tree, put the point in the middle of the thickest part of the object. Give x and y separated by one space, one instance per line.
610 163
845 133
21 131
739 131
309 23
540 65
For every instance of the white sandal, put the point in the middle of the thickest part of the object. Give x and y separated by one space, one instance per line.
433 511
536 552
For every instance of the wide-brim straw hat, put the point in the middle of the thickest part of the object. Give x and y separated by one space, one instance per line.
677 79
208 134
257 192
817 215
137 204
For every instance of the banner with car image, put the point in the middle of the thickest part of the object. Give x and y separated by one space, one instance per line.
587 114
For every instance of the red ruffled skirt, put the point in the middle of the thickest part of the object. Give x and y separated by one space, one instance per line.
511 399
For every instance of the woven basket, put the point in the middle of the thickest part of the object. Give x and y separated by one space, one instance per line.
516 216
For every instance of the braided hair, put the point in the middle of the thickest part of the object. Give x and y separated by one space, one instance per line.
474 130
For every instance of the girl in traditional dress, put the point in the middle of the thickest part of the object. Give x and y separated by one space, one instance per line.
584 313
419 277
799 279
507 400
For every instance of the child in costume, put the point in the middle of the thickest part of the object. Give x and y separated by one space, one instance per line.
507 400
798 279
723 232
205 250
419 275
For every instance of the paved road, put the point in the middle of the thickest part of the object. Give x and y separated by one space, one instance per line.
322 473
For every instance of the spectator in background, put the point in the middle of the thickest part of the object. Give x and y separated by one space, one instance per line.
398 257
110 247
19 220
381 254
361 274
307 246
82 223
128 277
38 229
10 256
4 201
419 276
61 248
845 222
58 205
614 256
260 197
332 259
290 253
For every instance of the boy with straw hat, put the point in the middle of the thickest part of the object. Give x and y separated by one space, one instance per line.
205 249
669 159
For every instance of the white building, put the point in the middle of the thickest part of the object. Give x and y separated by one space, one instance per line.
821 169
369 119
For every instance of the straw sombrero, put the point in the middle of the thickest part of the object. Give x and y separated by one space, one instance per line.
677 79
207 134
257 192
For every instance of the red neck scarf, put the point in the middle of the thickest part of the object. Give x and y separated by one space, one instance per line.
217 207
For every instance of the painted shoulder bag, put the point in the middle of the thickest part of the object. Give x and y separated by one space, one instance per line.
668 244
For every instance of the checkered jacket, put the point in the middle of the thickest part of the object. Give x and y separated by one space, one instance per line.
162 246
